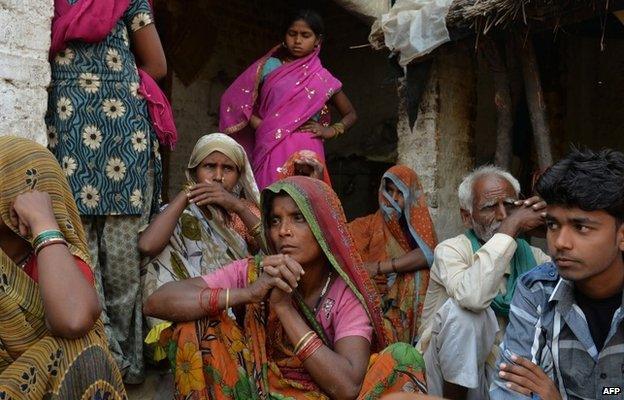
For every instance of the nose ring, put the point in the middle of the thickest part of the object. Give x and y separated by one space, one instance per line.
289 232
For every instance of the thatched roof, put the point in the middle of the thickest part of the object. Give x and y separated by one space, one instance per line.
485 15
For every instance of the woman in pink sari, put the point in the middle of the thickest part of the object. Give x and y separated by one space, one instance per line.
278 106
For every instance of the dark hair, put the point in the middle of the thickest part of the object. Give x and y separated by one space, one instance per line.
310 17
588 180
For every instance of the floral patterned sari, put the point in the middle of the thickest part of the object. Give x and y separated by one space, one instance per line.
391 232
216 359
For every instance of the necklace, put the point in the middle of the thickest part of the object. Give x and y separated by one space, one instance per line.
329 276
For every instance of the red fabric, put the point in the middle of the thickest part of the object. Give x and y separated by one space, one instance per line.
86 20
31 269
159 109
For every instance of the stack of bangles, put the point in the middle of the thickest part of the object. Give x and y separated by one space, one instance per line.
256 230
47 238
392 264
339 129
307 345
213 301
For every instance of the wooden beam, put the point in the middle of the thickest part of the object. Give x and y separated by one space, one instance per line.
502 101
535 101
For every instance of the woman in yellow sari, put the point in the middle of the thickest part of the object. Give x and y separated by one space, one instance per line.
308 315
52 344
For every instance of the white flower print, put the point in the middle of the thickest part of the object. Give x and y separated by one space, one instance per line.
115 169
92 137
69 165
140 20
136 198
52 136
90 83
155 148
64 108
65 57
124 36
90 196
113 108
134 90
139 142
113 60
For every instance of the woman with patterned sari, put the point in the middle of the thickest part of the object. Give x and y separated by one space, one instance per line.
210 223
396 244
52 343
278 105
308 315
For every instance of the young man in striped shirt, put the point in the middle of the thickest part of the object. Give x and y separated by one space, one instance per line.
565 338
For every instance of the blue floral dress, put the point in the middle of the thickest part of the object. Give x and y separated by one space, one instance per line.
98 124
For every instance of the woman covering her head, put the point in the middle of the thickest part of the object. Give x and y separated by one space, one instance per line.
305 163
396 244
52 344
282 99
210 223
311 314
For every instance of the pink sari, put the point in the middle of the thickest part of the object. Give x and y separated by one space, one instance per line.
290 95
91 21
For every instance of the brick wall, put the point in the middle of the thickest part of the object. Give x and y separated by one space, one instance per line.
24 69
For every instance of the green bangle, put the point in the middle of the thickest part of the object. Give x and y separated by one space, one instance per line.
47 235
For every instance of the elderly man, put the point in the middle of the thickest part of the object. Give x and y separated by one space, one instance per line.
473 278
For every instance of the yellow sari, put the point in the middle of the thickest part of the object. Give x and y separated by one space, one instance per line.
33 363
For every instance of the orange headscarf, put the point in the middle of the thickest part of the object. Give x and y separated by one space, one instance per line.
392 232
290 166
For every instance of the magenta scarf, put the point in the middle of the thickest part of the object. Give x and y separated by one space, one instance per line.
91 21
290 96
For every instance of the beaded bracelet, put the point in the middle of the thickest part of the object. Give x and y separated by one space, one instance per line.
310 349
49 242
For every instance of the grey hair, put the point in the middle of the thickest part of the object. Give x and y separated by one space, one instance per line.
465 189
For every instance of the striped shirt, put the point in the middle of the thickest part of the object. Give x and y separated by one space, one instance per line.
547 327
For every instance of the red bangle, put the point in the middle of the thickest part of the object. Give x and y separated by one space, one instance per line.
201 300
213 305
309 349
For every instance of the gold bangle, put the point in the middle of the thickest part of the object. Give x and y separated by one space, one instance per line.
339 128
227 299
304 337
49 242
255 231
311 337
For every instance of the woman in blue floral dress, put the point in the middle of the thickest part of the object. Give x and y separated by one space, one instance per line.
100 131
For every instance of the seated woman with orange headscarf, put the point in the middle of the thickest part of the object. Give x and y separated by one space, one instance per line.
396 244
308 315
52 342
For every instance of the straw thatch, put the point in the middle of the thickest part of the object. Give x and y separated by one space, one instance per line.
485 15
